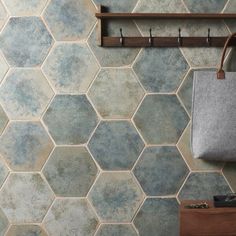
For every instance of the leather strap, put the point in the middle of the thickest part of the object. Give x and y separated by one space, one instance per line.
220 72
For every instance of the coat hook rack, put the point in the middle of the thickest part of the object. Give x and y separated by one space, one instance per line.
156 41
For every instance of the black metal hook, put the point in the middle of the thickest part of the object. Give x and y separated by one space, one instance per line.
180 38
121 37
150 37
208 40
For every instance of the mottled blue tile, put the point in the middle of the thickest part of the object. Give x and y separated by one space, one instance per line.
115 57
71 67
3 223
25 93
116 196
25 198
116 93
205 6
26 230
158 217
202 185
70 171
70 119
71 217
161 119
25 146
231 8
3 15
70 19
3 174
3 119
25 7
161 171
3 67
161 69
116 230
194 163
229 172
117 6
167 6
25 41
116 145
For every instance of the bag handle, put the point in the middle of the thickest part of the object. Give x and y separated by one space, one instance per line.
220 72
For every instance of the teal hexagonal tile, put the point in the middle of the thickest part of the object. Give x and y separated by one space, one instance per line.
117 6
115 57
3 119
158 217
71 68
116 196
3 223
25 198
116 93
70 171
25 93
161 119
195 164
71 217
185 91
116 230
161 171
25 41
202 185
26 230
205 6
25 146
70 19
167 6
3 15
116 145
229 172
3 173
70 119
25 7
3 67
161 69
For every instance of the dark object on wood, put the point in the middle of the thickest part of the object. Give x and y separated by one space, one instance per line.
178 41
207 222
225 200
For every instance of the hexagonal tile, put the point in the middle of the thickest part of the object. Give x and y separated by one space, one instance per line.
3 15
25 94
71 68
25 7
25 198
26 230
116 93
25 41
231 8
25 146
116 230
3 223
202 185
3 119
115 57
161 119
116 145
208 6
3 67
3 172
116 196
74 115
195 164
70 171
158 217
161 69
70 19
185 91
229 172
71 217
117 6
161 170
167 6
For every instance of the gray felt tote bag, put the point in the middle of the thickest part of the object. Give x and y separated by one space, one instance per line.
213 131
